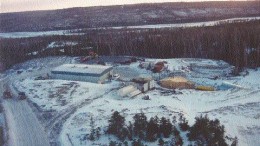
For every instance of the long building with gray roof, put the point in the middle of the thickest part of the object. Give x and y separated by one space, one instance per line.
82 72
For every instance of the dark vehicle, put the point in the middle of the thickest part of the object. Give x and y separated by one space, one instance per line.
39 78
101 63
7 94
19 72
21 96
146 97
133 59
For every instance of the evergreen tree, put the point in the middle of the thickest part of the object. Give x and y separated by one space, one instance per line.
92 130
130 131
1 134
98 132
123 133
235 142
183 124
140 125
176 140
116 124
208 132
175 131
125 143
152 129
134 142
174 120
161 142
179 141
112 143
165 127
137 142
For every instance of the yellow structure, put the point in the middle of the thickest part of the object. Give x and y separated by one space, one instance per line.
205 88
177 82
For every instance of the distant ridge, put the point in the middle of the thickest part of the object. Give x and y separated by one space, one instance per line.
125 15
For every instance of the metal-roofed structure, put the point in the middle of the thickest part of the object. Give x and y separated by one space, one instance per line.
82 72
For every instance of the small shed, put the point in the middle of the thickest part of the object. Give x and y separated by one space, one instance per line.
144 84
177 82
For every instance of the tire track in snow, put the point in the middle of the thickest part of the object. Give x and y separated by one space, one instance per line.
55 124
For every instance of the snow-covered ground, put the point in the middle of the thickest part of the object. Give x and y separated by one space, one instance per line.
59 94
36 34
23 126
176 25
237 108
61 44
24 129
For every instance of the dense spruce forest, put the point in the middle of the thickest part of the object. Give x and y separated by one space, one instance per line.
237 43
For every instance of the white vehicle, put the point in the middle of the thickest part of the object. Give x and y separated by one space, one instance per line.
115 76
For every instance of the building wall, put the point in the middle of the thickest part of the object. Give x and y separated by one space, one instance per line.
92 79
145 87
75 78
152 84
105 76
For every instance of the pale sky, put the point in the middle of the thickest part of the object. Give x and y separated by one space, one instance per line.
30 5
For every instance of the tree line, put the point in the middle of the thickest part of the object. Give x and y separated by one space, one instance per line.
162 130
237 43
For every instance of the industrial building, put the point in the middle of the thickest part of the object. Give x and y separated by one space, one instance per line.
144 84
138 86
82 72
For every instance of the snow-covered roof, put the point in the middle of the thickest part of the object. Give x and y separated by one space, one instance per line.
82 69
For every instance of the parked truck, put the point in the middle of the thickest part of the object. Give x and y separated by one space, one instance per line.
21 96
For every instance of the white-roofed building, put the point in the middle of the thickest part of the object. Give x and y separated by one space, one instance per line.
82 72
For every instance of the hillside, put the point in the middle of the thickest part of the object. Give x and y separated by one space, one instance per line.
140 14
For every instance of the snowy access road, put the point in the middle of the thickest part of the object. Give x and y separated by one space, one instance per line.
24 129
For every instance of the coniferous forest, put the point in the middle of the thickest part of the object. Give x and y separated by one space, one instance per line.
162 130
237 43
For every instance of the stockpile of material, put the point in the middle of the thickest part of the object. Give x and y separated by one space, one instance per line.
177 82
205 88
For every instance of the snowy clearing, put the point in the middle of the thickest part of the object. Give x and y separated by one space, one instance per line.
36 34
73 103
